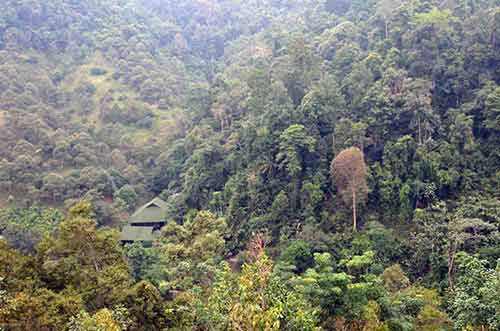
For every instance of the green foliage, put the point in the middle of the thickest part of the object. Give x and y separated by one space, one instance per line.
25 227
475 303
256 300
297 255
430 318
493 109
360 262
338 294
145 262
81 209
80 256
294 141
103 320
128 195
435 18
98 71
41 310
239 108
145 307
191 252
395 279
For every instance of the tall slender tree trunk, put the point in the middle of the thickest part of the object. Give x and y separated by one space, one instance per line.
419 132
451 265
386 29
333 144
354 222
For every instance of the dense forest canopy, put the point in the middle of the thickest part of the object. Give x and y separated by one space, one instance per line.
327 164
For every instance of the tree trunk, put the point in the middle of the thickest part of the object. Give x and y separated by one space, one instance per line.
419 132
386 29
295 197
354 223
451 265
333 144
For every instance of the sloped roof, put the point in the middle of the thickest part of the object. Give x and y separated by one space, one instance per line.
138 233
153 211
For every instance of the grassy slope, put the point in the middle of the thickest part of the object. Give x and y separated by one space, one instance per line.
106 85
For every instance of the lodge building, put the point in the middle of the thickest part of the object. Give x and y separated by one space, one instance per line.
145 224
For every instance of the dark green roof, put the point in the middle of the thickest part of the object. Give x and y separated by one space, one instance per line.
153 211
138 233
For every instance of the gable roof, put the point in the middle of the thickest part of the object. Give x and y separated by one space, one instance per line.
138 233
153 211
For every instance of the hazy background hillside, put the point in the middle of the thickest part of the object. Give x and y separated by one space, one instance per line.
191 100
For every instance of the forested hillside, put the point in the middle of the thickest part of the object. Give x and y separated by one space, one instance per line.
327 164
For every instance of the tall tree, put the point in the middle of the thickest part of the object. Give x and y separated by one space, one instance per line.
295 143
386 10
417 94
475 304
190 251
256 299
81 256
349 172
